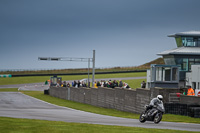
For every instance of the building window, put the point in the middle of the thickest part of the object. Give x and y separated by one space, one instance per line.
194 85
197 61
191 62
185 63
190 41
166 74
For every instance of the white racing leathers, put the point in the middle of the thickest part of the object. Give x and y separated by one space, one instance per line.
157 103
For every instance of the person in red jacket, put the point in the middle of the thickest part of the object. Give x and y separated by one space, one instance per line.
190 91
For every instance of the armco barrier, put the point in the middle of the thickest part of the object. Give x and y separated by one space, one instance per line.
5 75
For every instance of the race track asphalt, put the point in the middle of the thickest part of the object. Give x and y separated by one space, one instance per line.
18 105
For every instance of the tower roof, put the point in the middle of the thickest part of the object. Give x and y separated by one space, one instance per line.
187 33
182 51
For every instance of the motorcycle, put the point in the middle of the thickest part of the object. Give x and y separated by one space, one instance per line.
154 114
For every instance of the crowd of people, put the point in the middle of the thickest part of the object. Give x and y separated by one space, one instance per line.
102 83
111 84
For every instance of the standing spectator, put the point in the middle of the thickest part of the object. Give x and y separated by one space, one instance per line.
102 83
84 84
79 83
190 91
95 84
115 84
105 84
72 84
68 85
98 84
64 84
57 85
111 84
108 84
120 83
127 86
143 84
75 84
124 85
184 93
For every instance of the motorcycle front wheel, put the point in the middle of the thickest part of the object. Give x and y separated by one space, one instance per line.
157 118
142 117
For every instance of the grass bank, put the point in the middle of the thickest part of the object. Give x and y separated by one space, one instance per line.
15 125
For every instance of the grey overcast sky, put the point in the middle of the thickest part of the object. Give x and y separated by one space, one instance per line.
123 32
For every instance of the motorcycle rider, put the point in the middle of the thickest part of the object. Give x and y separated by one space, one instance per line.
154 103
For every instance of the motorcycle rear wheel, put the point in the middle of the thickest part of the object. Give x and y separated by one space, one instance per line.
157 118
142 118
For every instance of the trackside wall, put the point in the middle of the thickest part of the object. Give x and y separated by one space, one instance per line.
114 98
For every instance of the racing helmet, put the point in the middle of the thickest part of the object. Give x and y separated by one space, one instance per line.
160 97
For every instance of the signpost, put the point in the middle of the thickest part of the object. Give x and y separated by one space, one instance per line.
75 59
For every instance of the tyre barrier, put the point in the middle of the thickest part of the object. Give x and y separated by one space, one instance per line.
46 92
182 109
5 75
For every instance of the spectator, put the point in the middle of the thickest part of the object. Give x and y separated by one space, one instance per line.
61 84
184 93
105 84
79 83
108 84
124 85
111 84
143 84
64 84
72 84
115 84
190 91
95 84
57 85
102 83
68 85
46 82
98 84
120 83
127 86
75 84
84 84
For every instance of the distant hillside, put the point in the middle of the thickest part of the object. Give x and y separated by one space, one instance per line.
156 61
85 70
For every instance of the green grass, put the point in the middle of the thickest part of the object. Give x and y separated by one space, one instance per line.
14 125
134 83
36 79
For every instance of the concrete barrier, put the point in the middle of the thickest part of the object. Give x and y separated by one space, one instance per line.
117 98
